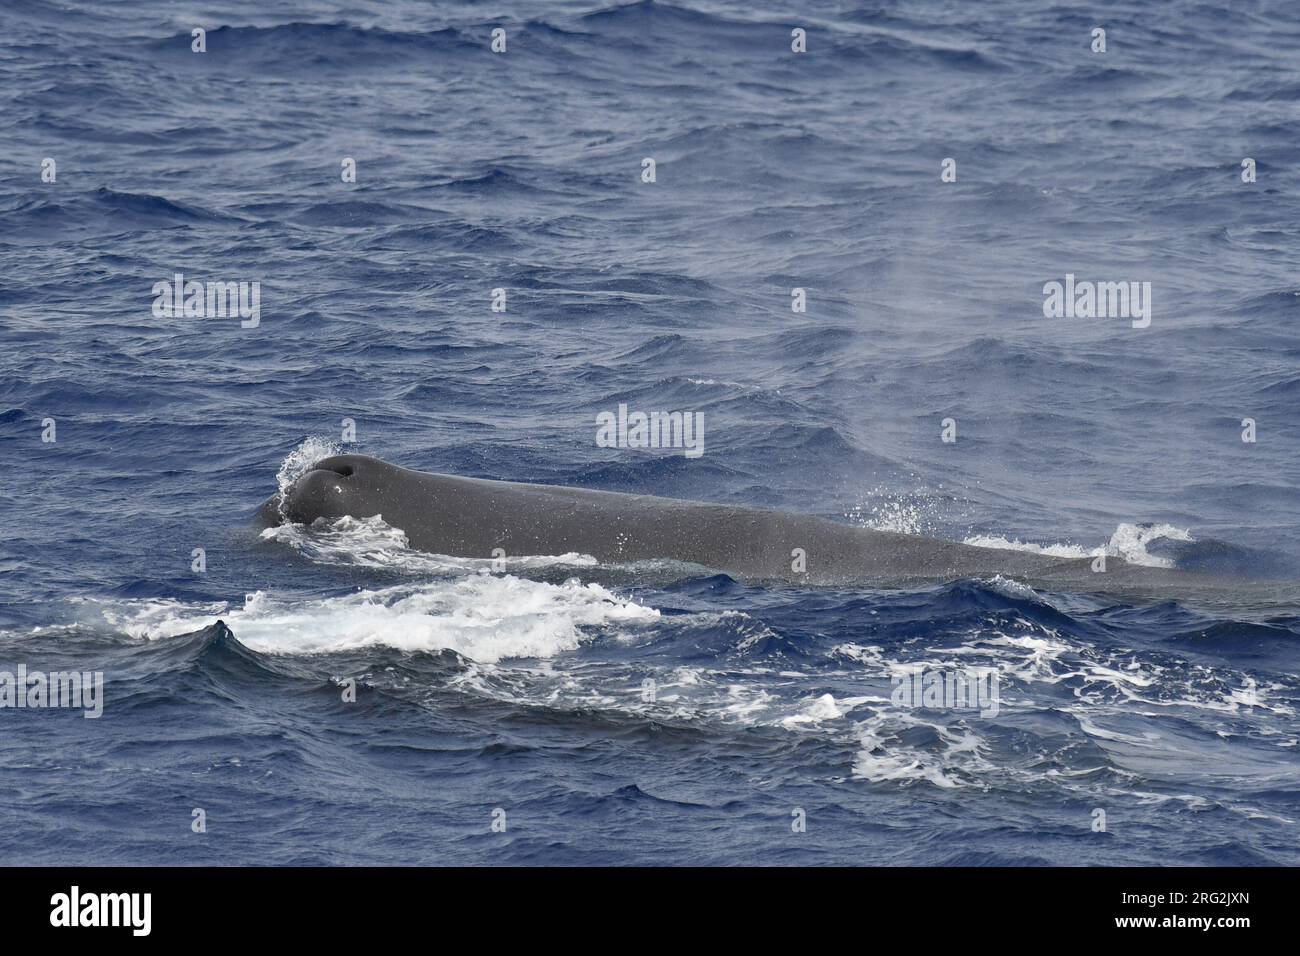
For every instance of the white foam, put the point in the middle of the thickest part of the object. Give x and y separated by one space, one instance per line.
870 655
883 756
815 711
486 618
1129 542
373 543
1002 543
1013 588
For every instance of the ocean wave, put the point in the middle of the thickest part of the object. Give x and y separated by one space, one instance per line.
284 47
668 706
103 210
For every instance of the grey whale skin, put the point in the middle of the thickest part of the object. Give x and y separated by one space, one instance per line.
469 517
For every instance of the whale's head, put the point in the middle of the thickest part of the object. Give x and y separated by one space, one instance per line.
355 485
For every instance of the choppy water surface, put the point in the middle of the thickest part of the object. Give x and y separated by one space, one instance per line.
527 690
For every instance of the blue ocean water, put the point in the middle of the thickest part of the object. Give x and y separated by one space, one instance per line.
483 696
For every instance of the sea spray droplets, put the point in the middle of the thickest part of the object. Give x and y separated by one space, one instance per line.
885 510
922 510
299 461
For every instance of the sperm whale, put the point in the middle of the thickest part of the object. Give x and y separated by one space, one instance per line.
482 518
